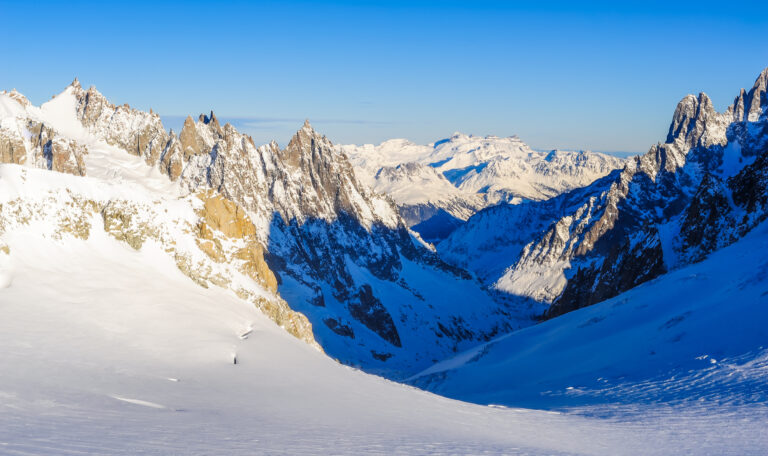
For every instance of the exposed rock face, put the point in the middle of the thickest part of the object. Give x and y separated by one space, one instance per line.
370 312
220 214
665 209
701 220
135 131
625 266
12 149
339 250
32 142
56 153
706 221
191 144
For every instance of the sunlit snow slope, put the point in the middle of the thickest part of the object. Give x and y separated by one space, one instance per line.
109 350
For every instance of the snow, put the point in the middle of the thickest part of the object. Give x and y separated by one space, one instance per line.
60 113
97 333
538 282
466 166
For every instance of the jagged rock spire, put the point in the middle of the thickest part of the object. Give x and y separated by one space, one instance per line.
208 119
754 99
762 80
696 122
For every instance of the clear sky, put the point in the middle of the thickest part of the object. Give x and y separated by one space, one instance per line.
602 76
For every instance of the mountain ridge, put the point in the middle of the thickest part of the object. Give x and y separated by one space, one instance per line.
340 253
462 174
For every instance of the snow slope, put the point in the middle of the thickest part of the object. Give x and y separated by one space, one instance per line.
695 339
108 350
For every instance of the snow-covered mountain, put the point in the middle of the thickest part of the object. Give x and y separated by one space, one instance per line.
150 283
465 173
376 296
701 190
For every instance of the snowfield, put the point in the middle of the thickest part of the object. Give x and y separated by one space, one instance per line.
108 350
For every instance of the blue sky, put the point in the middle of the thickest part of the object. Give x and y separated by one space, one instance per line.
601 75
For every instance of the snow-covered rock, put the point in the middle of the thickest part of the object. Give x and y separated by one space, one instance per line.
465 173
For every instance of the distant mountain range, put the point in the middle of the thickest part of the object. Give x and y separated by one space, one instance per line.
455 177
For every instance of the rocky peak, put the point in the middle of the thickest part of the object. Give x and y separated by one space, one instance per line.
189 122
211 122
738 106
695 122
191 143
307 144
756 101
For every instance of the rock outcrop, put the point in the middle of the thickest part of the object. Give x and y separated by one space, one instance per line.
27 141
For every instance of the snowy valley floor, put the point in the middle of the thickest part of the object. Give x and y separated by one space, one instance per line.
106 350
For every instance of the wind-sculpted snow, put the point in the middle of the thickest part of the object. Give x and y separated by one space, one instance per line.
463 174
376 294
696 193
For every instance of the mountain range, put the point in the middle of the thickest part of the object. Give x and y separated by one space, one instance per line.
440 185
374 294
699 191
476 268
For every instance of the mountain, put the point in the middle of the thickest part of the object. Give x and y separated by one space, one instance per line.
183 288
699 191
338 254
462 174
